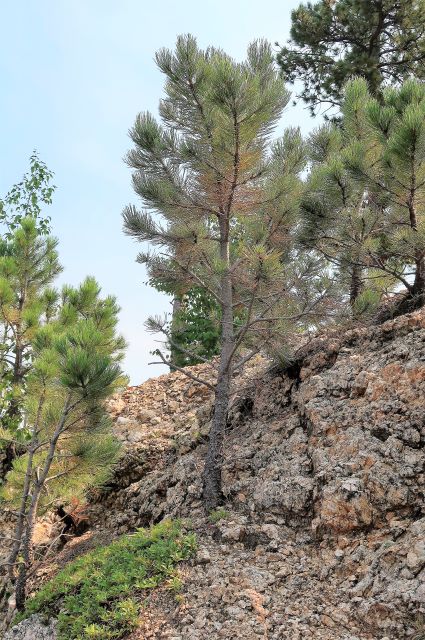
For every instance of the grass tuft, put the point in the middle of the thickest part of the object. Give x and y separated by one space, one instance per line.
218 514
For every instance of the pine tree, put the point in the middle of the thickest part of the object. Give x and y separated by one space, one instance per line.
341 221
388 159
221 203
363 206
194 323
70 444
334 40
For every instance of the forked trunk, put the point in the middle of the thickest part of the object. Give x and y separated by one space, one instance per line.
21 581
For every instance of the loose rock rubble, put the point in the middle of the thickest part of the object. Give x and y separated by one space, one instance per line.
324 483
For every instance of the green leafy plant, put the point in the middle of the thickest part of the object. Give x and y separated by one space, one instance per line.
100 594
27 198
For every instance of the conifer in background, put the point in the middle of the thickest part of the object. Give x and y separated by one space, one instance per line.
334 40
221 204
388 159
342 221
364 203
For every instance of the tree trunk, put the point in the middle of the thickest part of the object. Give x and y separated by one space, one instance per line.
19 529
356 284
14 409
26 546
21 582
418 290
177 305
214 461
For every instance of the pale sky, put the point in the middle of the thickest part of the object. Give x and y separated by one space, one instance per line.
74 75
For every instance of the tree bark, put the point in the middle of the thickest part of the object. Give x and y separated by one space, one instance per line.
418 290
212 493
356 283
21 582
26 546
419 282
177 305
20 524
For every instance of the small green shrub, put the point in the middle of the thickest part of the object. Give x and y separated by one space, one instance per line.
98 596
218 514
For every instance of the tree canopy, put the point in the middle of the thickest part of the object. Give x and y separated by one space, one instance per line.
334 40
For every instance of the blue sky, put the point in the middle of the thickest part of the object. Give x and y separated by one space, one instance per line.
74 74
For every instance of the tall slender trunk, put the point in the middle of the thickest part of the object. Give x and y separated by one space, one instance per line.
214 461
18 375
14 408
22 515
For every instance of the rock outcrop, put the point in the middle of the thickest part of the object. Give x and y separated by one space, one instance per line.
322 534
33 628
324 531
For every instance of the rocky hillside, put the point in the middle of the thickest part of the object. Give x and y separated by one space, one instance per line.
322 535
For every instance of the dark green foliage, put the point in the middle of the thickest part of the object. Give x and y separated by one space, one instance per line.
100 595
195 327
333 40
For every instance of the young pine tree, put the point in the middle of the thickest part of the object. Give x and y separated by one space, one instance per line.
70 446
388 160
341 221
363 206
221 203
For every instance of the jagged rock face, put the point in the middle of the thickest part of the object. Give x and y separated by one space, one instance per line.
324 485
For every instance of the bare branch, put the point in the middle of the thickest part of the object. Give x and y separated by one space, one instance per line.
182 370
